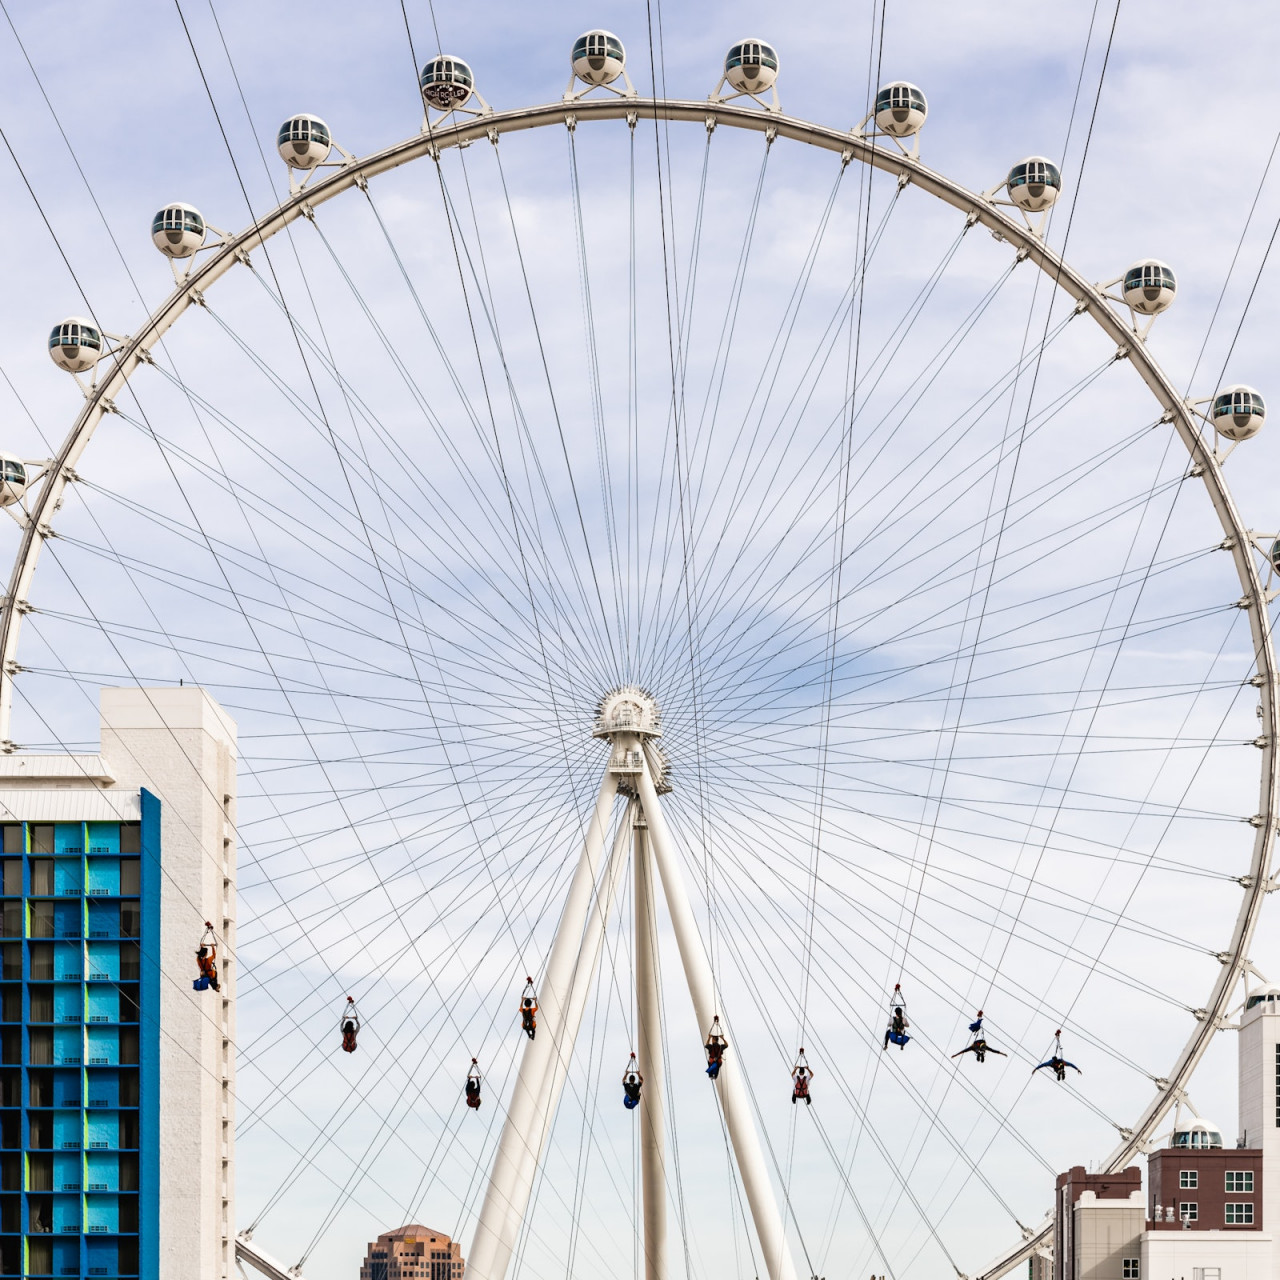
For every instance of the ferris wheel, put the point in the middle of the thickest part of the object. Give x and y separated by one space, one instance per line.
728 671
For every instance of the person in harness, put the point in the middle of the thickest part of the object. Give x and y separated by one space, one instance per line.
1057 1063
801 1074
715 1047
631 1082
898 1024
206 961
529 1010
979 1046
349 1024
473 1086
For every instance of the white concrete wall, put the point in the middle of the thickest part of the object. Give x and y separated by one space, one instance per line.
1176 1255
180 745
1259 1077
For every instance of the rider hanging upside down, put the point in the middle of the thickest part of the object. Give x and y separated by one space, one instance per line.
715 1047
206 957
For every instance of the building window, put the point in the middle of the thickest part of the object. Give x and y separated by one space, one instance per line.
1278 1086
1189 1179
1240 1180
1240 1215
1189 1211
1131 1269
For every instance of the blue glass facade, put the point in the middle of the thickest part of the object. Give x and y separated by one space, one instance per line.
79 1047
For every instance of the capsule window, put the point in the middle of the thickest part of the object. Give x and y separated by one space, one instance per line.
1035 172
76 335
176 218
13 471
597 45
751 54
302 129
446 71
1150 275
899 96
1238 402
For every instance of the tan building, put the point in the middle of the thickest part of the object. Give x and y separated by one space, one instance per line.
412 1253
1098 1225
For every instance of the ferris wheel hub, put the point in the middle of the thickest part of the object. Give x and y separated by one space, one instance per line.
629 717
628 711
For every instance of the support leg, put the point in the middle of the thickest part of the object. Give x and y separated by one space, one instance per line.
583 978
649 1056
515 1164
733 1094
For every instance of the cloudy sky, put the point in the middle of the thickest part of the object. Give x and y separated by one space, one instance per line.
936 624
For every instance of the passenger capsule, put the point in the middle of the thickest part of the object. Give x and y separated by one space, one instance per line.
751 66
1034 184
1237 412
598 57
1149 287
900 109
1199 1135
1268 992
446 83
75 345
13 480
178 230
304 142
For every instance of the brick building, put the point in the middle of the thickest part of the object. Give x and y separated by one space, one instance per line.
1211 1212
1209 1188
412 1252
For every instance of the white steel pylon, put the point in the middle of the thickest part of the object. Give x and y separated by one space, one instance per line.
629 719
649 1057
